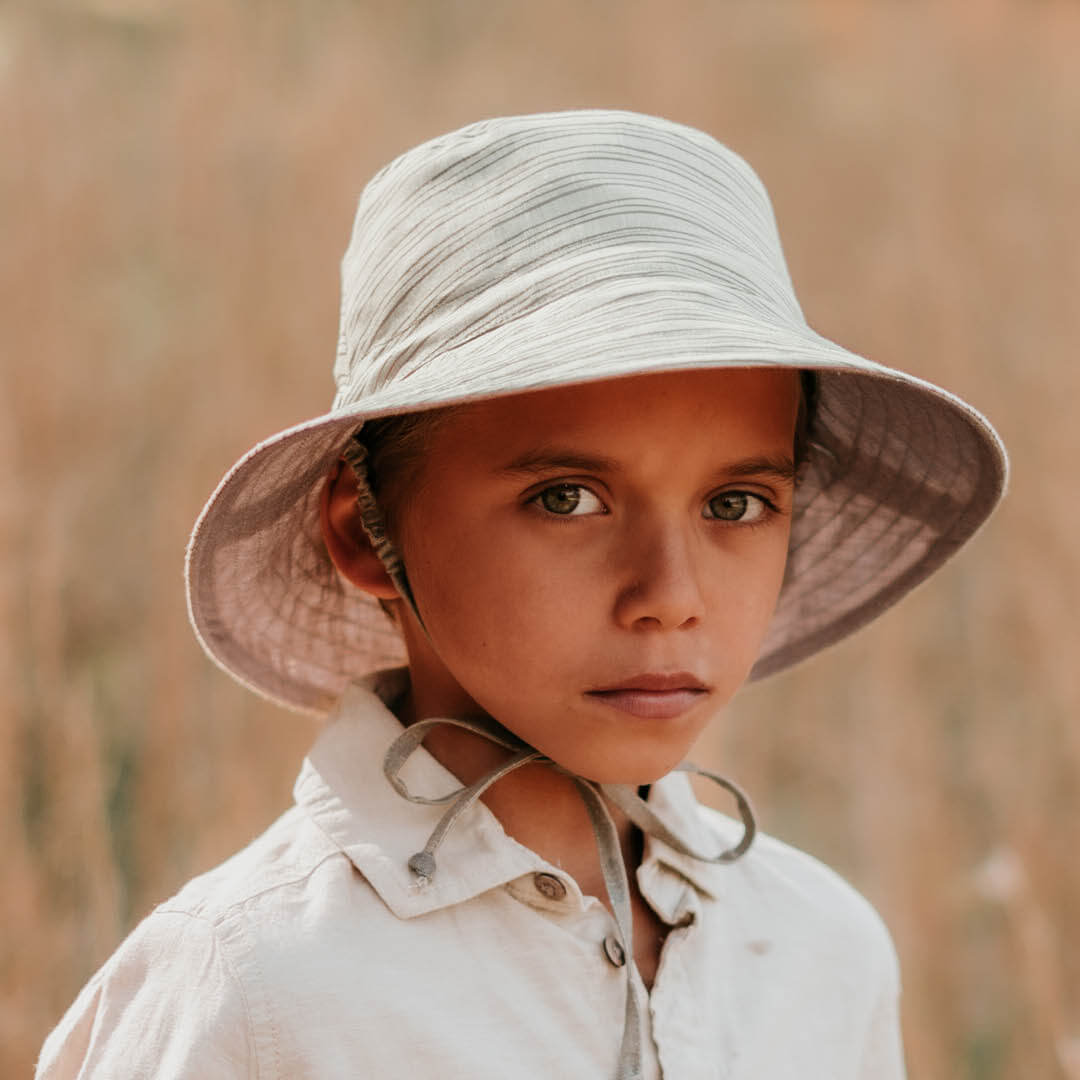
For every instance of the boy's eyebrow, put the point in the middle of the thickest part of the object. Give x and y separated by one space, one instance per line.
782 468
549 459
546 459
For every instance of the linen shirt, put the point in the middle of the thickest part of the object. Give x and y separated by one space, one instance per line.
314 952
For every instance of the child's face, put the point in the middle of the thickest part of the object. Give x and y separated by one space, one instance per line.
597 565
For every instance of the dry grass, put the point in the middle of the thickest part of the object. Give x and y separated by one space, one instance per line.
176 186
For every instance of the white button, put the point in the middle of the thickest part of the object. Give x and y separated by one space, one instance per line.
614 951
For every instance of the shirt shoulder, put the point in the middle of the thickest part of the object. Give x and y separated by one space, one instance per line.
180 996
285 854
165 1005
820 955
782 886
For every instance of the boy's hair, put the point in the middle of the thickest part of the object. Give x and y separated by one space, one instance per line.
395 450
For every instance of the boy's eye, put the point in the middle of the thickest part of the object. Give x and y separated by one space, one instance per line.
741 506
569 500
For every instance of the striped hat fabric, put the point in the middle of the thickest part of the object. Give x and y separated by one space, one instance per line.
535 251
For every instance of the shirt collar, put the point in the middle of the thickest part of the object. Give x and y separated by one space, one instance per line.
343 790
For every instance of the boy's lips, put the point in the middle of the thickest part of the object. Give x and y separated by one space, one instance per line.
653 696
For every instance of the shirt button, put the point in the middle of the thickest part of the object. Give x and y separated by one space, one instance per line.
550 886
614 951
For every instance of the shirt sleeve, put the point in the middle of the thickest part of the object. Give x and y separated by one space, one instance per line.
166 1005
883 1051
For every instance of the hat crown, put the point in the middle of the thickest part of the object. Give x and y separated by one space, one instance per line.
479 231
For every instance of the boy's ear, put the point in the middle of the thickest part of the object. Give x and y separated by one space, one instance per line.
346 541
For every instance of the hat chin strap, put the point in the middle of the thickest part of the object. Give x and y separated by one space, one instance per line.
596 797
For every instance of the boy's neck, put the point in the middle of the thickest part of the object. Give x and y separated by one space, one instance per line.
536 805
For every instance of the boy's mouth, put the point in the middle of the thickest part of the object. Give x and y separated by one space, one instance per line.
654 697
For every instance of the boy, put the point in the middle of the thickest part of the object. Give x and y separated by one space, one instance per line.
596 470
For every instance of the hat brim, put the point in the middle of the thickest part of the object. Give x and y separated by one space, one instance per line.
900 474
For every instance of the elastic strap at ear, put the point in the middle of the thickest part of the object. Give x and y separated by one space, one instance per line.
355 453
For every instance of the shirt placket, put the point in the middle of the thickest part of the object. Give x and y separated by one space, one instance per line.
678 1005
585 918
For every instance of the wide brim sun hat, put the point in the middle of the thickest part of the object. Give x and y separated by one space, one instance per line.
536 251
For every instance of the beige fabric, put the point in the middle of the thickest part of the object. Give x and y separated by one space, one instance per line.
314 952
535 251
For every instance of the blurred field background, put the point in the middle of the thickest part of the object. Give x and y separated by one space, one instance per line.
177 182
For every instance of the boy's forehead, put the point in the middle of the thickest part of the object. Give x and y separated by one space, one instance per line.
745 405
693 391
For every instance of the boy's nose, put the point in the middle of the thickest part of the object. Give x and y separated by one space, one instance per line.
662 583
